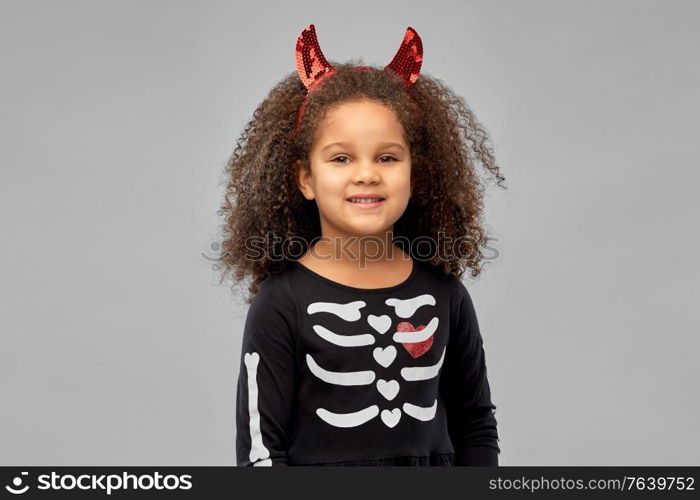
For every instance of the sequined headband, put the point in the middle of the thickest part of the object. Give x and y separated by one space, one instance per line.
313 68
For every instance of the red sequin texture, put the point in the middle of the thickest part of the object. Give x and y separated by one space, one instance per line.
313 68
311 64
408 58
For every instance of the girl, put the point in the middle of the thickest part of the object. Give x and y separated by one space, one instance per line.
354 204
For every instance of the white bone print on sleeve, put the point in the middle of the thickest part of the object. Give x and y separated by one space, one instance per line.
259 454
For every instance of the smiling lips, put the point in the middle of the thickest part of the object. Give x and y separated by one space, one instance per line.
360 196
367 200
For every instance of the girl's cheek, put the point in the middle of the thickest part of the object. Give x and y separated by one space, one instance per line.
335 185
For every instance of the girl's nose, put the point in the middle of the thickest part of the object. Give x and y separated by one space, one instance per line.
366 172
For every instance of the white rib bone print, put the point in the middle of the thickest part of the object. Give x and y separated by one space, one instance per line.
407 307
344 340
348 312
340 378
411 337
423 372
348 419
420 412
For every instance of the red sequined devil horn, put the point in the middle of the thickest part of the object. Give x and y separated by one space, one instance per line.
313 67
311 63
408 58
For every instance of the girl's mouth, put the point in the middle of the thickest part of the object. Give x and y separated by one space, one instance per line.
366 203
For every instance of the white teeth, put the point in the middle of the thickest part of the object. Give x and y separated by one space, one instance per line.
365 200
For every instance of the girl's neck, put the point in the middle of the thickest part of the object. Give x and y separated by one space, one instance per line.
347 265
358 251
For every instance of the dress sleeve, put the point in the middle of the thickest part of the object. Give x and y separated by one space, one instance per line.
470 412
265 400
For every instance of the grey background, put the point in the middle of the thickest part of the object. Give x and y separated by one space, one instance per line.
118 347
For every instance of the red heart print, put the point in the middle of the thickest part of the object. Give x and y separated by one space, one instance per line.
415 349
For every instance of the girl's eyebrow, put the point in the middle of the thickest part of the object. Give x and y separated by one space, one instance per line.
345 144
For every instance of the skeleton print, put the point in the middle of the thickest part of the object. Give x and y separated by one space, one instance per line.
332 373
415 340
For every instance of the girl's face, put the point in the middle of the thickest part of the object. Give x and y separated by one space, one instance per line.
359 149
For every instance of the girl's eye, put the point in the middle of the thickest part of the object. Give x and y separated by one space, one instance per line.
385 156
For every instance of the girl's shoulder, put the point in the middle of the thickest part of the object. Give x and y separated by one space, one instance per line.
452 283
461 303
272 311
274 293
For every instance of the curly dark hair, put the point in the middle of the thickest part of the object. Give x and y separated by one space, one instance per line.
263 200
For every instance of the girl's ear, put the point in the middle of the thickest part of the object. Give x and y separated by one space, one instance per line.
302 176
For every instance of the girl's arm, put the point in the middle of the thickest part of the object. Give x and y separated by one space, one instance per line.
266 381
471 422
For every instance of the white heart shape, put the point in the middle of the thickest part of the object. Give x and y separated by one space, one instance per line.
379 323
388 389
385 356
391 418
